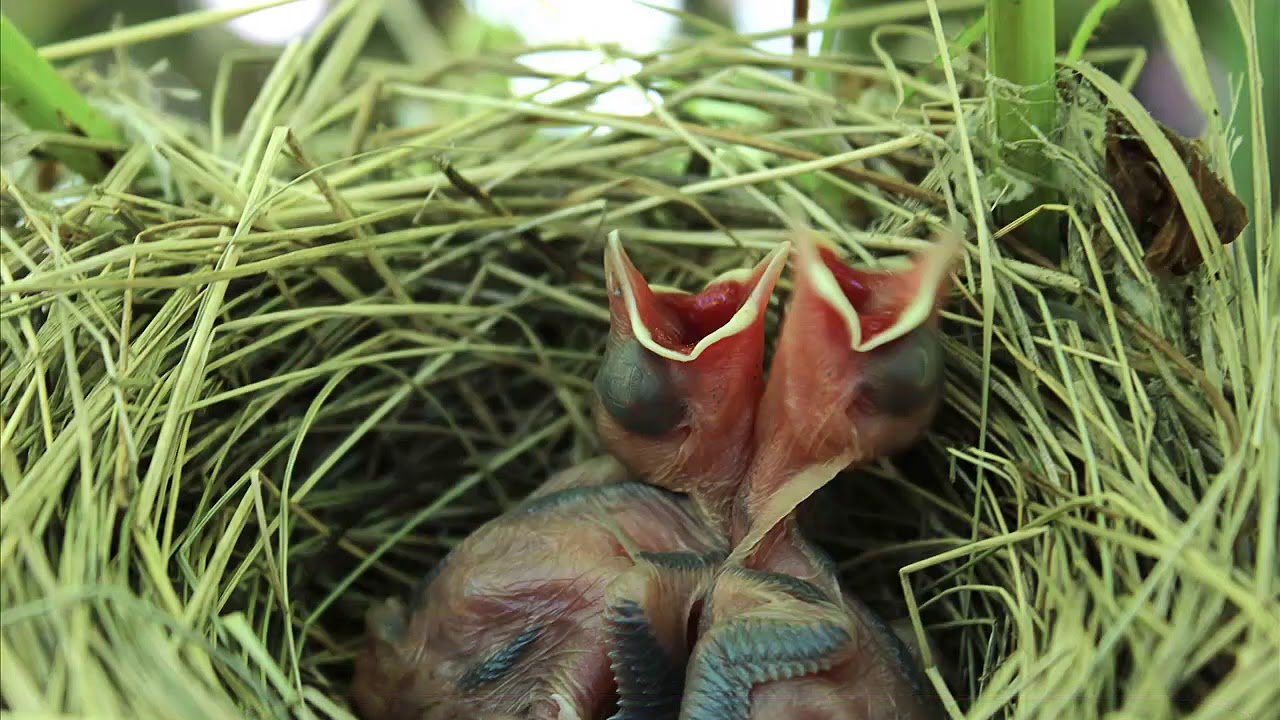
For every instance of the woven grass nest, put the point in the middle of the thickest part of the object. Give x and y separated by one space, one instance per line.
258 378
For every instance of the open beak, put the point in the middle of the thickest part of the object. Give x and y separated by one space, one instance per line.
681 378
681 326
857 373
872 307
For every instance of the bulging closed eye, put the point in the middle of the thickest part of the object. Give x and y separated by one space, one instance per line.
906 375
635 387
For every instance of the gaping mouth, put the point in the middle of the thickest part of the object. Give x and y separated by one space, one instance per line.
881 305
680 325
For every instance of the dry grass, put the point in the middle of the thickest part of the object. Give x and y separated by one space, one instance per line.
255 379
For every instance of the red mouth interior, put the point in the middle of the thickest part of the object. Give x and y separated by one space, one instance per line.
677 321
877 296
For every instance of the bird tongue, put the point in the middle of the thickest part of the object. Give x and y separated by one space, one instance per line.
679 325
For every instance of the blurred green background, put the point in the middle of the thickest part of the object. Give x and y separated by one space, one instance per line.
191 61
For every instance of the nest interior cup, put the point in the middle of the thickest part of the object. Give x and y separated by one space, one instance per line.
269 370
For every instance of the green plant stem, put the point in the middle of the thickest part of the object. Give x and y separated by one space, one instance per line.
967 37
34 91
1092 20
1020 54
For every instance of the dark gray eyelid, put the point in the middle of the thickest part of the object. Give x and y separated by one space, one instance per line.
907 374
636 390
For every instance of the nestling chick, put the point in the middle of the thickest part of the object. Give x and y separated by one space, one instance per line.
672 582
513 623
857 374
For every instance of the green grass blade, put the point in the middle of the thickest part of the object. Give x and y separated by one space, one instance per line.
1092 20
34 91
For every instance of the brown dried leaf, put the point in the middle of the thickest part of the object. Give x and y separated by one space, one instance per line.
1151 205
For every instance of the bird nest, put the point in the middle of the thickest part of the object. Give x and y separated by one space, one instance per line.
256 380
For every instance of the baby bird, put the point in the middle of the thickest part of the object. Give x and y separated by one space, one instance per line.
857 374
669 580
513 623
